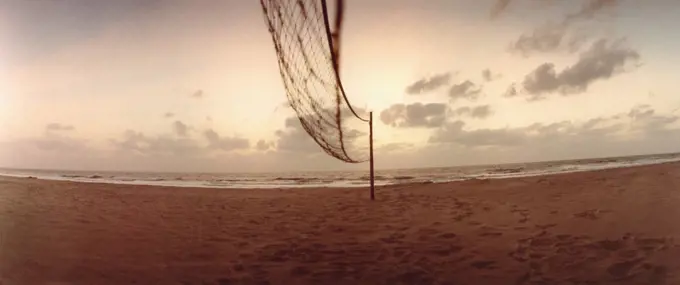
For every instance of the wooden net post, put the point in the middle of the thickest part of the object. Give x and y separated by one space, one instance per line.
370 126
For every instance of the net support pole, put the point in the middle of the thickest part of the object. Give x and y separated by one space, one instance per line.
370 127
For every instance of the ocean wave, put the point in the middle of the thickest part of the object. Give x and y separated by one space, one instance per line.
376 178
508 170
82 176
344 178
403 178
295 178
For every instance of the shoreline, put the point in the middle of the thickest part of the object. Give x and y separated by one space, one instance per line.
179 183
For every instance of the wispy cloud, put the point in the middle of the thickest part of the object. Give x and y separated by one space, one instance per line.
476 112
198 94
57 127
642 120
225 143
559 36
428 84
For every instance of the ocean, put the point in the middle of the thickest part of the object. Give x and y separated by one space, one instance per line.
342 178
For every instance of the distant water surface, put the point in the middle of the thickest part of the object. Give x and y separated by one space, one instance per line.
342 178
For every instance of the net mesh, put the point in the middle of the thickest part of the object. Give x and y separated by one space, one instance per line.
308 54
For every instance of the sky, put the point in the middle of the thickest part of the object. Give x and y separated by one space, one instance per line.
170 85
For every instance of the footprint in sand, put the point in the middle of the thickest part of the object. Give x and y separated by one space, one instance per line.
447 235
445 251
388 240
657 272
483 264
523 213
412 276
653 244
622 269
325 275
622 258
462 216
593 214
300 271
383 255
546 226
425 234
238 267
491 234
611 245
487 231
398 253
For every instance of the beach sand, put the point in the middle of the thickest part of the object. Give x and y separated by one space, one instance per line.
617 226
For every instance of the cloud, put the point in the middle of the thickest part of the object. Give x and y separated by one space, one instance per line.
58 143
640 123
52 150
552 37
393 147
179 144
587 11
488 75
547 38
641 112
283 106
454 133
181 129
591 8
197 94
416 115
636 131
169 115
476 112
57 127
602 61
499 7
138 143
263 145
646 120
466 90
511 91
225 143
543 79
294 139
512 137
428 84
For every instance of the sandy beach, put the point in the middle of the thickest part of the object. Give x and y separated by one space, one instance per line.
617 226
